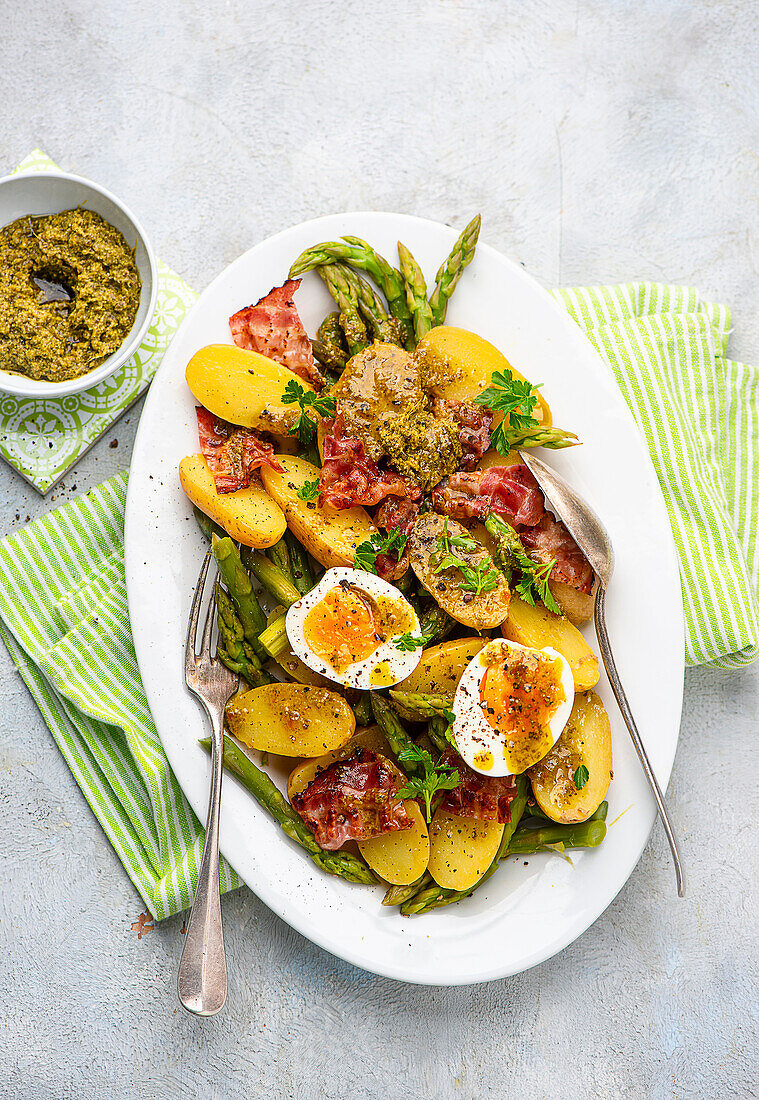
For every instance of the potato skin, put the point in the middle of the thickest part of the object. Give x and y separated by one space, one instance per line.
481 612
248 516
243 387
467 363
577 606
442 666
461 849
400 857
329 535
586 739
291 719
538 627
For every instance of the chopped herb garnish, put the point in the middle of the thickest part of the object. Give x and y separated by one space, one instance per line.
321 403
437 777
410 642
477 578
393 544
582 775
533 581
309 490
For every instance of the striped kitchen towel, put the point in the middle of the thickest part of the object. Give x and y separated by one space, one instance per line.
66 623
63 595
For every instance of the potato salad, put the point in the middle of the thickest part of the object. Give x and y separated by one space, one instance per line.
415 700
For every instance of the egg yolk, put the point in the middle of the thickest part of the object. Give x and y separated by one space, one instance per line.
341 628
519 694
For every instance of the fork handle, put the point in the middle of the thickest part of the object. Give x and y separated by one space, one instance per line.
202 979
624 706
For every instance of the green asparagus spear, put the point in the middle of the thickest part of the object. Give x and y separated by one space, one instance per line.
416 292
552 438
274 638
357 253
362 708
436 731
388 329
299 564
280 556
269 796
240 589
232 650
436 624
396 735
270 576
397 895
451 271
588 834
329 345
434 897
207 525
422 706
336 276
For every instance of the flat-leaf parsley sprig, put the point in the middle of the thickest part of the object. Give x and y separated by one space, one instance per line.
321 403
479 577
365 556
309 490
436 778
517 398
533 580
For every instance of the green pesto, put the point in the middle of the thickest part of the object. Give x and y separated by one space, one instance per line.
421 446
69 294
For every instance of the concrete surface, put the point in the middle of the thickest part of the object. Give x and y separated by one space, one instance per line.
601 140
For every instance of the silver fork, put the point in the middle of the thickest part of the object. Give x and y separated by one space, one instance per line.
202 979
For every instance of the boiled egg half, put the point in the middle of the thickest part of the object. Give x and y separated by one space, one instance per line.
511 706
348 628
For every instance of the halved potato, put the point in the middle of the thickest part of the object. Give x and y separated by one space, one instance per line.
243 387
586 739
370 737
477 611
467 363
291 719
577 606
441 667
495 458
329 535
538 627
399 857
461 849
249 516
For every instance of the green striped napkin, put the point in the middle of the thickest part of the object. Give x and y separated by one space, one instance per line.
63 595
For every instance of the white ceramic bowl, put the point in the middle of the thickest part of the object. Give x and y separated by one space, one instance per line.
50 193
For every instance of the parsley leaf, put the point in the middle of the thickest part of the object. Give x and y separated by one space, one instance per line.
480 577
436 777
309 490
321 403
407 643
516 398
582 775
366 553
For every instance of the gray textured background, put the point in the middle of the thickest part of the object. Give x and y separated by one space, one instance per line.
602 141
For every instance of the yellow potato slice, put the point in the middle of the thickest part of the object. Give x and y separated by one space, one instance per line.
441 667
249 516
399 857
586 739
329 535
461 849
243 387
291 719
538 627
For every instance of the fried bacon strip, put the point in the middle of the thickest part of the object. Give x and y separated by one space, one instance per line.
353 799
232 453
482 797
549 540
273 328
511 491
349 476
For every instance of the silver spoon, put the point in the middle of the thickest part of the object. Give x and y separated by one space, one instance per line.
590 535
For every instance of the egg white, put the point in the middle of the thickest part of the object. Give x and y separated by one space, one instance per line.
399 663
473 733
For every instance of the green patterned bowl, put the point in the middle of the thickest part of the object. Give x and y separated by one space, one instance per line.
49 193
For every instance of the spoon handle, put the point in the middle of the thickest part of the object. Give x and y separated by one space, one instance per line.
624 706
